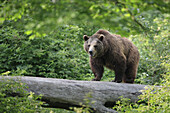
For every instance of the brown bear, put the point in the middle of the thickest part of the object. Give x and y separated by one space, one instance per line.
112 51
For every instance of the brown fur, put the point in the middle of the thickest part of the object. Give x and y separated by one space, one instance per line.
112 51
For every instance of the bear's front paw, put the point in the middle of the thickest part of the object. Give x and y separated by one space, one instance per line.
117 81
113 80
95 79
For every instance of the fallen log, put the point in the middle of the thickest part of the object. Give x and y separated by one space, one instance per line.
62 93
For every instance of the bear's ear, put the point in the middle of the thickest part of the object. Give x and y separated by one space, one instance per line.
101 37
85 37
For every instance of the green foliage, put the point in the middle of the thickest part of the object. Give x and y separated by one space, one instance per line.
154 99
25 103
86 105
57 55
122 16
154 50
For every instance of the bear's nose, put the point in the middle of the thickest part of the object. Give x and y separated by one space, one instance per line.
91 53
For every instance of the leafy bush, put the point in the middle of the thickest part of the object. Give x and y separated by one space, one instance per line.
58 55
153 99
25 103
86 105
154 50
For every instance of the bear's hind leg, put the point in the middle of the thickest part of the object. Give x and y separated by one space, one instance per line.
132 67
130 73
119 73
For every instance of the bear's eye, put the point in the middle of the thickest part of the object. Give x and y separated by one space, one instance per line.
95 46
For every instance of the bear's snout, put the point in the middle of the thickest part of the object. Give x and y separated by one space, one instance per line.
91 53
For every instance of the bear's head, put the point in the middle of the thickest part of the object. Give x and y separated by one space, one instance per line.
93 45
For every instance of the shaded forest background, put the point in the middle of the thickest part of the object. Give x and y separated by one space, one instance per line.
44 38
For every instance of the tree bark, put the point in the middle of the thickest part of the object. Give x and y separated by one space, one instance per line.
62 93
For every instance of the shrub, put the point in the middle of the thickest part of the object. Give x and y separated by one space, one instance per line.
154 49
153 99
11 103
57 55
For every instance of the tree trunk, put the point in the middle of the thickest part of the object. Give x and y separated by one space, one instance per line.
62 93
